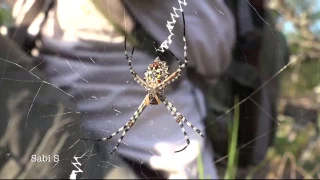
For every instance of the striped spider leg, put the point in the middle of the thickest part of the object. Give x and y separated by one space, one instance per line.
180 119
133 73
126 127
158 72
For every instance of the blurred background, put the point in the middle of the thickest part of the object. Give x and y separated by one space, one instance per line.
293 148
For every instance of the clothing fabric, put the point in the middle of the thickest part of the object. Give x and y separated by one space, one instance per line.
84 53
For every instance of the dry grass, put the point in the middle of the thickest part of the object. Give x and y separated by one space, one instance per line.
18 157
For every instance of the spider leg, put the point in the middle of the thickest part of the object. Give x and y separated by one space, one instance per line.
185 44
130 123
184 133
173 77
119 141
126 127
176 75
174 110
135 76
179 118
109 137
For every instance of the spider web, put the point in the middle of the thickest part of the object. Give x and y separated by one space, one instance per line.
38 117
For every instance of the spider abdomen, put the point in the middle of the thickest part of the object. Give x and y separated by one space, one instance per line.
157 72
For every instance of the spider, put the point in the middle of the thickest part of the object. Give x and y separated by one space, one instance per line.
156 79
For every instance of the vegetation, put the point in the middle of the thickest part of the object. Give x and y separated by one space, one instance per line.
296 149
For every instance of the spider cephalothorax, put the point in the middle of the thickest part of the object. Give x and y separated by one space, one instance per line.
156 79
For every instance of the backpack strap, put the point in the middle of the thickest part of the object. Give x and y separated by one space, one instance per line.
242 78
239 70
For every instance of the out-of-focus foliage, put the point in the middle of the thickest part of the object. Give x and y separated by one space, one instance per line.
296 151
303 17
5 15
300 21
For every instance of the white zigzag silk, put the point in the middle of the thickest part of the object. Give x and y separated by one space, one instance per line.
170 25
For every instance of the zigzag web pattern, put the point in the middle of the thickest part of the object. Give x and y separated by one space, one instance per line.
170 25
